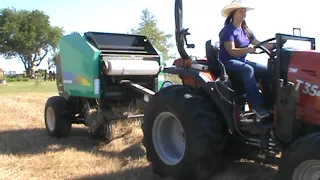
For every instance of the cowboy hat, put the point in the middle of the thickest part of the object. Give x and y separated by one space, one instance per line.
235 4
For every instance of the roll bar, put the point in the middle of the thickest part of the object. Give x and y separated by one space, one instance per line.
180 32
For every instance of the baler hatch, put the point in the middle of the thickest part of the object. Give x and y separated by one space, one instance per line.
115 43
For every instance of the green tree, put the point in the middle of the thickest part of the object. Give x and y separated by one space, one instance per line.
148 27
27 35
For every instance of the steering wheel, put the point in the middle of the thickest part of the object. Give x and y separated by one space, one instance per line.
264 49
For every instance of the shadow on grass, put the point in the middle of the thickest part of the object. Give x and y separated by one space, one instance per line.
128 174
238 171
247 171
36 141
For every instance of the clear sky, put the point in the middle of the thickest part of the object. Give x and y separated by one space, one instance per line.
203 18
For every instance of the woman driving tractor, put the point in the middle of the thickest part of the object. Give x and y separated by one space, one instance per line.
235 38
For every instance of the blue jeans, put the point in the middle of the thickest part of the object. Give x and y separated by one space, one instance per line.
250 71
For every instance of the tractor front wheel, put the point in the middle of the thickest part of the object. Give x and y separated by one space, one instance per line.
183 135
301 161
57 117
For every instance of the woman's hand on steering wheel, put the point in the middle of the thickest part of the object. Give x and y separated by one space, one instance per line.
263 49
252 50
269 50
269 46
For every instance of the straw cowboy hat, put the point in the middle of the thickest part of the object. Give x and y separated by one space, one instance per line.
235 4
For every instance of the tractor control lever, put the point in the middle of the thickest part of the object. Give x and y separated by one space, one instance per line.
185 33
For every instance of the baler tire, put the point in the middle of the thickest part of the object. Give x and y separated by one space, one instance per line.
302 153
58 106
204 132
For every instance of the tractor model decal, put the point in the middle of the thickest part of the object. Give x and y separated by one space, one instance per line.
308 88
293 70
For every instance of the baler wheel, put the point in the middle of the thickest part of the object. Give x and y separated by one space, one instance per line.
183 135
57 117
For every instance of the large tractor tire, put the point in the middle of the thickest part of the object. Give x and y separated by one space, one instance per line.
183 135
57 117
301 161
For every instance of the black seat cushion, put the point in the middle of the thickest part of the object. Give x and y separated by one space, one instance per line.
212 54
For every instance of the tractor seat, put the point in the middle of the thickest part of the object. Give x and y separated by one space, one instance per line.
215 67
213 63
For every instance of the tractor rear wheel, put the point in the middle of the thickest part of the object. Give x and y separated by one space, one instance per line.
57 117
183 135
301 161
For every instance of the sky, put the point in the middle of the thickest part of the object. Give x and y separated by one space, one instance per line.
203 19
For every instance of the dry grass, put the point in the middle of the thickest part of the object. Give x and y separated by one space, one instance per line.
26 151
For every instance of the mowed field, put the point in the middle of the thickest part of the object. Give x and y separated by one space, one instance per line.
27 152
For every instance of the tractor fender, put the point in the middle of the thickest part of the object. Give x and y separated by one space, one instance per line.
210 87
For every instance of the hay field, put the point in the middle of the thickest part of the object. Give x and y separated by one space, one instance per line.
27 152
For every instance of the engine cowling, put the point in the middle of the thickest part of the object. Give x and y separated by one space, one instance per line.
304 71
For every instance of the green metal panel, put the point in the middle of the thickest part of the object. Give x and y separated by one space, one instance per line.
80 66
161 74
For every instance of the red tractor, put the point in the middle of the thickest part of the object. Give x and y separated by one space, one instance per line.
191 130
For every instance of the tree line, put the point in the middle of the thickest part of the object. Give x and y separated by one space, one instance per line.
29 36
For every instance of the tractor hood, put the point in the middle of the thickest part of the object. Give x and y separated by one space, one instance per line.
305 61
